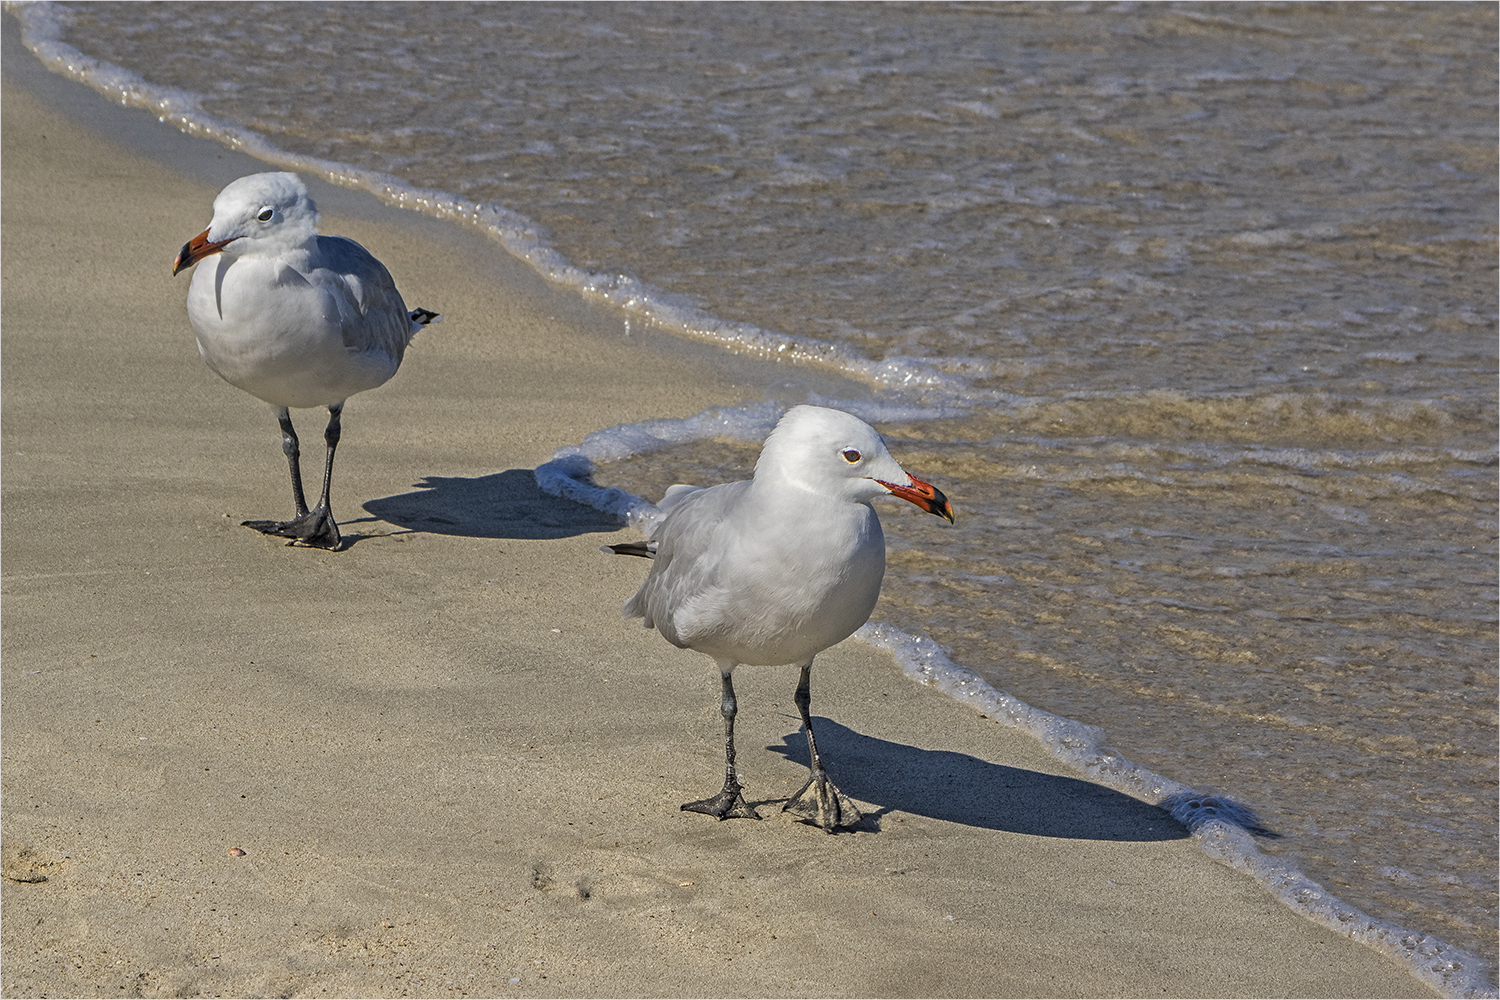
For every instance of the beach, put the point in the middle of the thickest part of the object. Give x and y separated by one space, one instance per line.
450 765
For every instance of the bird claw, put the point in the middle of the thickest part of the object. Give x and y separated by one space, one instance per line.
316 529
821 803
728 804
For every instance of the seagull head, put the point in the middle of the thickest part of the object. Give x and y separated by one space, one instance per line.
835 454
258 212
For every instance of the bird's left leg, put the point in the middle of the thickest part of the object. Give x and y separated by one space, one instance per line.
325 530
819 801
314 527
729 803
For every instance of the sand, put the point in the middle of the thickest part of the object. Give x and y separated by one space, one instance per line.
451 766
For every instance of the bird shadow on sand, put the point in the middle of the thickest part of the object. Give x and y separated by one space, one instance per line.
958 788
505 504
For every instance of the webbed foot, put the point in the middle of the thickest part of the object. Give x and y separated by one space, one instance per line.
821 803
728 804
316 528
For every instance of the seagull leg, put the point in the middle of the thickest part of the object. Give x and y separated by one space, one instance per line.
729 803
314 527
819 801
293 455
324 531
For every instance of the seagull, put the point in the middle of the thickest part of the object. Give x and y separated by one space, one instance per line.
774 570
293 318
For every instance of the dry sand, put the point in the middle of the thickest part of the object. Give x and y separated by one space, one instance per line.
452 767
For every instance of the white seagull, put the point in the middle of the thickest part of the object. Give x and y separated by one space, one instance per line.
776 569
293 318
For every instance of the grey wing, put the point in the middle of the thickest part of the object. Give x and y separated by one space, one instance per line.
688 564
647 549
675 495
372 314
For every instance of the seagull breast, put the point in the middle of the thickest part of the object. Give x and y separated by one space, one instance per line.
762 579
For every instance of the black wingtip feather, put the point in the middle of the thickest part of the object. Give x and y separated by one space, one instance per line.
642 549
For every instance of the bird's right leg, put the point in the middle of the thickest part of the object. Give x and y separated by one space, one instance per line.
293 455
819 801
729 803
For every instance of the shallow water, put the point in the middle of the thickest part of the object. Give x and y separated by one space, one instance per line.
1205 297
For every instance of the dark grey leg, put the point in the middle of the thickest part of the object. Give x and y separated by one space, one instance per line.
729 803
331 436
314 527
322 530
819 801
293 457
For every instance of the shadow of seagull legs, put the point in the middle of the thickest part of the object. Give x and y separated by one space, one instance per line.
502 505
958 788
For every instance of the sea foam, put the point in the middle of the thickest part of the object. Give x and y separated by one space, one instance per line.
1223 828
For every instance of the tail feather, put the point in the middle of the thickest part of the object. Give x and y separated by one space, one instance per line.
645 550
424 317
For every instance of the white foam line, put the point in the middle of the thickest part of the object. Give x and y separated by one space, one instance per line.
570 472
1218 825
1448 969
42 26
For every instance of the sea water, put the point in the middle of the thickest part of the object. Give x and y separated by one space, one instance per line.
1190 309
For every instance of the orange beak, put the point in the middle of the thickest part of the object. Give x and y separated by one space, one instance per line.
924 495
196 249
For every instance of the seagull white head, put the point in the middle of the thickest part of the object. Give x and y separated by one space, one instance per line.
257 212
835 454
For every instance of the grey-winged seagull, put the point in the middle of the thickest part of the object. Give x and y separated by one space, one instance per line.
775 569
293 318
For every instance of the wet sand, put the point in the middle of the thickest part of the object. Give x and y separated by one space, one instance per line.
450 765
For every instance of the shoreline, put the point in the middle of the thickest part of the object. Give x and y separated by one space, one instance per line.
226 641
663 319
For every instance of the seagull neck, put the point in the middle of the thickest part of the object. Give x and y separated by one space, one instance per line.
279 245
783 492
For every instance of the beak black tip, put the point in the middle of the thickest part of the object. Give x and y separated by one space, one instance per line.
941 507
184 259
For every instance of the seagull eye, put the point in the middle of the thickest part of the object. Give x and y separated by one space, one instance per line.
851 456
266 214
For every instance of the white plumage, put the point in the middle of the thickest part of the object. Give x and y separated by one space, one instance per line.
776 569
293 318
